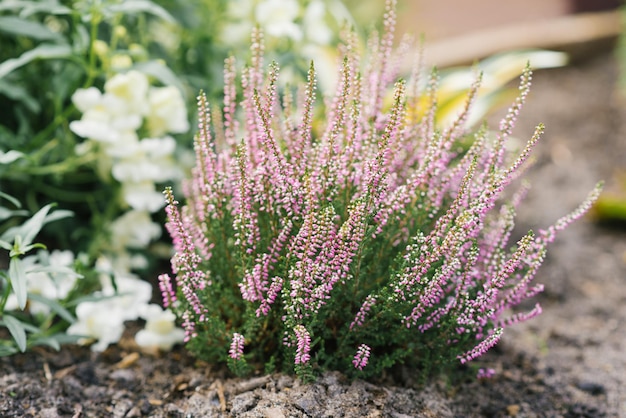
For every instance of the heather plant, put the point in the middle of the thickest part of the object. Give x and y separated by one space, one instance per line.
357 240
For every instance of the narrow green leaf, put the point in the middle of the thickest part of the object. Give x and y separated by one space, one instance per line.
141 6
32 226
19 94
22 27
48 7
17 276
55 341
48 341
54 305
7 350
27 7
45 51
58 214
17 331
11 199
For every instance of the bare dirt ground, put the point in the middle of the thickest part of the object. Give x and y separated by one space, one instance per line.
569 362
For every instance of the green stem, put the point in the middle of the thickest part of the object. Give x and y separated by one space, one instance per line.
7 291
62 166
93 34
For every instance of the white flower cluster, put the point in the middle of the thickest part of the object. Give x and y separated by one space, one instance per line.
310 24
102 320
49 275
128 125
112 122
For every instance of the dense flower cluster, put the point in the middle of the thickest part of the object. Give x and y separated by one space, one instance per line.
112 122
128 126
378 232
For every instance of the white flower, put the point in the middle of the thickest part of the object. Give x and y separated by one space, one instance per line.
135 229
167 112
277 18
65 279
147 160
132 89
158 147
160 331
104 123
132 293
95 129
85 99
102 321
142 196
127 143
316 30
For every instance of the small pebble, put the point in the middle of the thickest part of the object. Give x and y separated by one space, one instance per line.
273 413
512 410
591 387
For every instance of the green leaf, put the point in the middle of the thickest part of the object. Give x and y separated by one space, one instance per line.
49 341
141 6
27 8
32 226
17 276
8 213
54 305
22 27
11 199
58 214
7 350
19 94
48 7
17 330
55 340
45 51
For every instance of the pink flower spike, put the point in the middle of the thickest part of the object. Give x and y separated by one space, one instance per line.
361 357
236 346
304 345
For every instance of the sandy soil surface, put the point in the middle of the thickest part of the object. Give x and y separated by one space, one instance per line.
569 362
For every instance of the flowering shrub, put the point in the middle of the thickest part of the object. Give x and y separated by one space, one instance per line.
367 242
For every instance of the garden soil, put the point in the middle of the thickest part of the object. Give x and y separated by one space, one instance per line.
568 362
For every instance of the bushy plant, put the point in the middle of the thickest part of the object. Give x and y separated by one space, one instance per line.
355 241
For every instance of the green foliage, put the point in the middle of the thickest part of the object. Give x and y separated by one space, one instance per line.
75 44
29 329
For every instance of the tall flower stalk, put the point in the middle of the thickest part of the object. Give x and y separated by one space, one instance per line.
371 230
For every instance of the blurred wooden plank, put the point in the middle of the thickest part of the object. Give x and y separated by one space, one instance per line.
562 33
